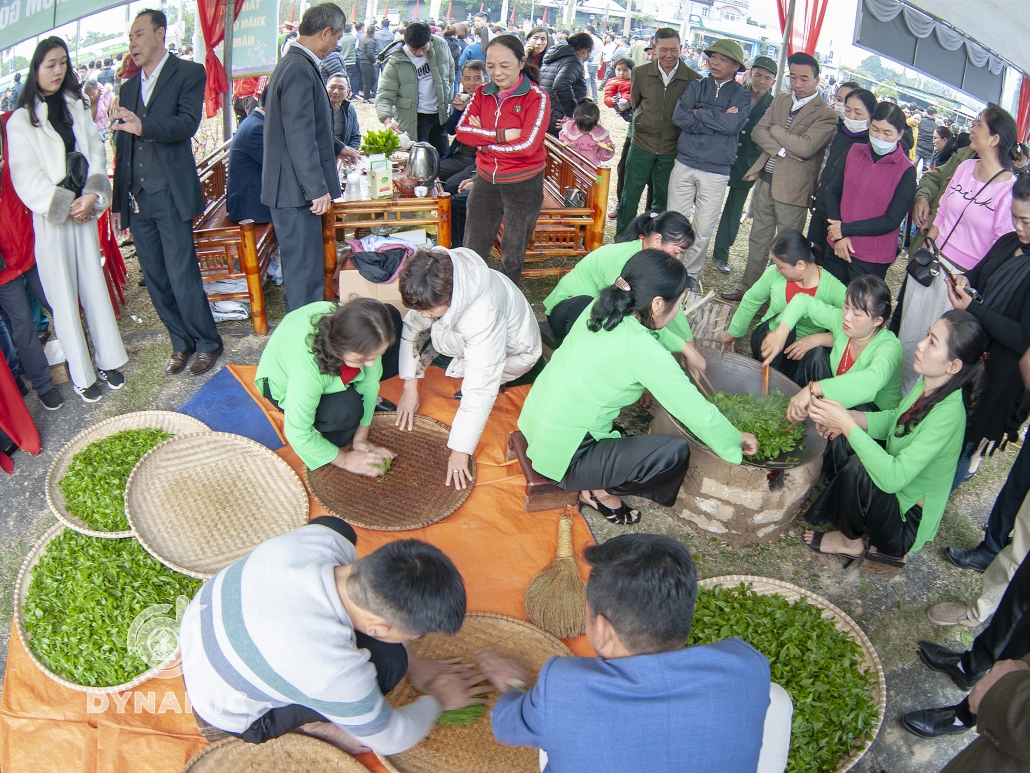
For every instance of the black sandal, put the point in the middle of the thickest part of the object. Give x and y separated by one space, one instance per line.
624 515
816 543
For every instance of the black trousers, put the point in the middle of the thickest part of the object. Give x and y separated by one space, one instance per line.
519 206
456 168
299 232
337 416
565 313
168 258
354 75
649 466
15 303
845 271
998 533
857 507
369 79
431 130
390 660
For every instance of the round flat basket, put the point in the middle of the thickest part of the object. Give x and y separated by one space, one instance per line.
410 495
169 421
472 749
197 503
21 590
290 753
767 586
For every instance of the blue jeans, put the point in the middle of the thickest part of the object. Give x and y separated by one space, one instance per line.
592 79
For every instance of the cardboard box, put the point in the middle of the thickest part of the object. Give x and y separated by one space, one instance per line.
353 283
380 179
57 361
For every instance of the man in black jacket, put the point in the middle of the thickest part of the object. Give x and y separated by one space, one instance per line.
156 189
300 180
924 142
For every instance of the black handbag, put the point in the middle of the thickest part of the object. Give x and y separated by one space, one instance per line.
77 168
925 264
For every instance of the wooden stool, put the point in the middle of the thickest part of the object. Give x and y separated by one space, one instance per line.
879 563
541 493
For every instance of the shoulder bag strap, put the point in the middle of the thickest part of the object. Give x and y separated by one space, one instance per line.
999 172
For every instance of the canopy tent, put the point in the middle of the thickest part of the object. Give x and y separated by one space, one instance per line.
966 44
24 19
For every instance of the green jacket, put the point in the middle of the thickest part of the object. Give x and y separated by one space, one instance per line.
397 95
599 270
653 104
933 183
919 466
772 287
593 376
876 375
747 150
288 365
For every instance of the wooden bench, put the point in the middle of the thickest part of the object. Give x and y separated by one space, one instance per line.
541 493
228 250
567 231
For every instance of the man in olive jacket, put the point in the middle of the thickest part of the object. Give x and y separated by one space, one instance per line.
793 133
763 75
417 86
655 90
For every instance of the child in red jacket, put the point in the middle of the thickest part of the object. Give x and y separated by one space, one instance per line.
616 90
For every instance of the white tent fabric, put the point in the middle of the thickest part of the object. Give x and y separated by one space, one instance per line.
1002 26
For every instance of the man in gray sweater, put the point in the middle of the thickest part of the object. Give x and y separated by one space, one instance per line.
710 114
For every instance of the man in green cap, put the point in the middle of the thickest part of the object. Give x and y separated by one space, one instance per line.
710 114
762 77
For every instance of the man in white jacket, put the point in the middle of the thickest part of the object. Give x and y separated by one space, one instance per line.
477 318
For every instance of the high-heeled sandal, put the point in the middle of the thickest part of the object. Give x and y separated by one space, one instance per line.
624 515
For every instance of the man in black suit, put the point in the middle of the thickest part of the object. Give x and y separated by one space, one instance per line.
299 179
246 156
157 191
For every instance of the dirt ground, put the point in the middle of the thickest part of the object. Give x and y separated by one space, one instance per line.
891 611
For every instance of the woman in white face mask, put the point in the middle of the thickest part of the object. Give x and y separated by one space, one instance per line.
866 207
854 105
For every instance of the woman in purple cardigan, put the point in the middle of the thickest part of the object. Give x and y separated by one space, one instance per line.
866 206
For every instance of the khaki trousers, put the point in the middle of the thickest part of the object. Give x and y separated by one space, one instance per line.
703 191
1003 568
769 217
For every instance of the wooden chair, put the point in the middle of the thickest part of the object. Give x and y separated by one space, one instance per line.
228 250
541 493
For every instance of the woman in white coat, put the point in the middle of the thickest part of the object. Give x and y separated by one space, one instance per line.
49 126
462 309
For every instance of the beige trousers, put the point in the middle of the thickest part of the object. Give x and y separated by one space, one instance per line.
1003 567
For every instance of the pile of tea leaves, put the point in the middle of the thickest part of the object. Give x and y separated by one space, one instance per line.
819 666
763 417
460 717
94 484
85 594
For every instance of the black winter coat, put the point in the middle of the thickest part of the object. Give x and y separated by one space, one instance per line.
563 78
833 169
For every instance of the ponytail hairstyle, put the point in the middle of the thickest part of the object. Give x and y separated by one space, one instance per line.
871 294
791 246
647 275
513 44
671 225
1002 125
360 326
966 342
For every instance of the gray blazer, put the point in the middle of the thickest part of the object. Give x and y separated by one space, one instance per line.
300 152
170 120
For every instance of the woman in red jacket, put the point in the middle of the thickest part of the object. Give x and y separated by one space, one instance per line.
507 120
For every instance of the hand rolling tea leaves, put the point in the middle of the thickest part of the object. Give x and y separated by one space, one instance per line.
819 666
763 417
94 485
85 593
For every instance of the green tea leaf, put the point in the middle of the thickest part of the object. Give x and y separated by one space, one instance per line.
763 417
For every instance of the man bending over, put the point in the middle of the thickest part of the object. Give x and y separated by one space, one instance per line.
301 636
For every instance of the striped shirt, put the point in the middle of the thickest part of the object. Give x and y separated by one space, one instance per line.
271 631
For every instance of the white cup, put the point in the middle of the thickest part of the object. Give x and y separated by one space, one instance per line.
421 191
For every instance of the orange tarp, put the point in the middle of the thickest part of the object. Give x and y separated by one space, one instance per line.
497 546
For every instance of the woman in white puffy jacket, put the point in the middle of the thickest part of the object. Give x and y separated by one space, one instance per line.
51 123
462 309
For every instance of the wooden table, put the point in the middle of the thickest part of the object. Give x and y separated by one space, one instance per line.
348 216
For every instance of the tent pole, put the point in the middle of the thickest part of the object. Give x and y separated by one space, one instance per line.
781 61
230 20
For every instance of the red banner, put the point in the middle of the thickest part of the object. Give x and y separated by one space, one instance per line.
1023 110
808 22
211 14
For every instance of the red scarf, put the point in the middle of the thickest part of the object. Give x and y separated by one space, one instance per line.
348 374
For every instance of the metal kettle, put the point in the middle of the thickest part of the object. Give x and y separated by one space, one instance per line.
423 163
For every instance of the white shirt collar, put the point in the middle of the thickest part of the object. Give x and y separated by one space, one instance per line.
797 104
147 84
666 77
308 51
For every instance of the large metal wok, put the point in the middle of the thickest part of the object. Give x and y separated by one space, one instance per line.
737 374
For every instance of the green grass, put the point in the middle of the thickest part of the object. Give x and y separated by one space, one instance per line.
144 379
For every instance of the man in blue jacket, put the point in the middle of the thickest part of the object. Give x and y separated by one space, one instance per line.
246 155
710 115
648 702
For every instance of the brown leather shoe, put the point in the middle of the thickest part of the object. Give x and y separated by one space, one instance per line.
177 362
203 362
733 295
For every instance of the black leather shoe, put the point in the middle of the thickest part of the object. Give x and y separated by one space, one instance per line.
930 723
968 558
723 266
693 285
938 658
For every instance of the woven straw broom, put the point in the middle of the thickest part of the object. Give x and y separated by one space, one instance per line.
556 598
